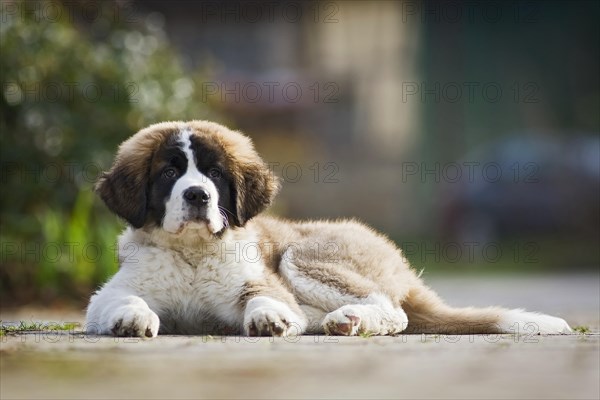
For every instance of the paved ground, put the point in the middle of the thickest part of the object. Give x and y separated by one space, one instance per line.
72 365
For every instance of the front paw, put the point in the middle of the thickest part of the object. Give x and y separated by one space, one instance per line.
265 322
134 320
267 317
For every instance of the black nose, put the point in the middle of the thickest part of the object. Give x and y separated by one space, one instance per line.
196 195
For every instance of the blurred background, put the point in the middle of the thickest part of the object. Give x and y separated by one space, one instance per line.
468 132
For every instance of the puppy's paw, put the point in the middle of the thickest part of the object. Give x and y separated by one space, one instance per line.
134 320
267 317
344 321
351 320
266 322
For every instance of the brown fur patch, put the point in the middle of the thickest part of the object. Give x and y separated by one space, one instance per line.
123 188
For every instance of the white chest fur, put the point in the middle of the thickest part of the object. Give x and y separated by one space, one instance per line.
189 285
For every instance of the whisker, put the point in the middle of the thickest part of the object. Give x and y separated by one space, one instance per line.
226 210
224 216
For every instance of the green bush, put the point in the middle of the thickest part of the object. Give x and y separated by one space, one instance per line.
71 92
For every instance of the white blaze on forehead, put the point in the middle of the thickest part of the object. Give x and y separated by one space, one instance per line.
177 210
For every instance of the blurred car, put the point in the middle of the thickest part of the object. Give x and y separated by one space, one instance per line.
525 184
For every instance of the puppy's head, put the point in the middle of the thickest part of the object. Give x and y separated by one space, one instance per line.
182 176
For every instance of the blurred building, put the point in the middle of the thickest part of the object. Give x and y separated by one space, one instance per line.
329 69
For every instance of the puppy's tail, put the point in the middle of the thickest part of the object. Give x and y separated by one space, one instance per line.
427 313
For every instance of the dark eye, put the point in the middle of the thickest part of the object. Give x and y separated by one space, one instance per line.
214 173
170 173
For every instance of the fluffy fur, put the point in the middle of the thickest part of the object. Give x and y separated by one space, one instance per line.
198 258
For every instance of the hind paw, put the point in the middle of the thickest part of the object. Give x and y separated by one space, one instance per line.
351 320
342 322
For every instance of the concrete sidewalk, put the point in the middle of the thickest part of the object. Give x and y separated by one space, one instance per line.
72 365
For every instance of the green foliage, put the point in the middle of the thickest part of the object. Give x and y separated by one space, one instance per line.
33 326
70 94
581 329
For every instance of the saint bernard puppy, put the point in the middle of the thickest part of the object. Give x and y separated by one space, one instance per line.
197 258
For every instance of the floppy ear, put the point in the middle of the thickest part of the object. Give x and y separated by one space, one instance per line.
123 190
255 188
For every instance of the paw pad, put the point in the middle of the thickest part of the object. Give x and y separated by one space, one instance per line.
342 324
264 326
